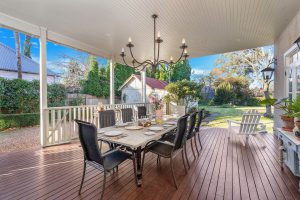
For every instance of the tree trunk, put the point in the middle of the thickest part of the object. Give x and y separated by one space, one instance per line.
27 46
18 54
267 96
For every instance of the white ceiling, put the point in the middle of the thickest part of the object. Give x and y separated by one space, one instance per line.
209 26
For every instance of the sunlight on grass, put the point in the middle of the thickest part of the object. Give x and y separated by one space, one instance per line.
235 113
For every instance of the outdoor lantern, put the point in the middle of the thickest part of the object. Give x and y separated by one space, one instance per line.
298 42
267 73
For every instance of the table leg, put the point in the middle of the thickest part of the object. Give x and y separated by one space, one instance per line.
138 154
281 149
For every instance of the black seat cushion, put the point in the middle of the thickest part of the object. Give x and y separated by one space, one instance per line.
162 149
114 158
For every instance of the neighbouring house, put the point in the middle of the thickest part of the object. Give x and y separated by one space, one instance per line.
132 88
30 68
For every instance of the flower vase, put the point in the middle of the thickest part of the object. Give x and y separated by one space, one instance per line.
159 116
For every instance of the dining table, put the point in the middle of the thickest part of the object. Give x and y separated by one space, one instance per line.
135 140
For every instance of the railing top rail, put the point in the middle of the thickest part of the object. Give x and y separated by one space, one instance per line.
83 106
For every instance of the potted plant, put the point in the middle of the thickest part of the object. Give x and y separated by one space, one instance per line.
288 106
295 105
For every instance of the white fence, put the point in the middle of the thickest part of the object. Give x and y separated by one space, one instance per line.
61 127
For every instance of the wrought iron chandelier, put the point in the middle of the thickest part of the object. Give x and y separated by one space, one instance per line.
156 48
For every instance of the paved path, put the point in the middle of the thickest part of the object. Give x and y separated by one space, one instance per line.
19 139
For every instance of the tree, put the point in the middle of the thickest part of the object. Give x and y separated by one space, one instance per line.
122 73
27 46
182 70
18 54
183 92
224 94
248 63
73 77
91 85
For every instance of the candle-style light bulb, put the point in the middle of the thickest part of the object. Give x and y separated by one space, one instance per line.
171 58
122 50
129 40
183 41
158 34
185 51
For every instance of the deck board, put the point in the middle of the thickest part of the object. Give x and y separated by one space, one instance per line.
223 170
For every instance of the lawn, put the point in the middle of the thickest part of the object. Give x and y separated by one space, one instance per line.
235 113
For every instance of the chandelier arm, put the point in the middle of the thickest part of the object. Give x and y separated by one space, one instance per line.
124 61
157 60
133 56
180 56
145 63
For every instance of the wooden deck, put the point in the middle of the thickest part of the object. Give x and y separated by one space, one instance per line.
224 170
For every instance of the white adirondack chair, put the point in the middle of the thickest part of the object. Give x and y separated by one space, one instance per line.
246 127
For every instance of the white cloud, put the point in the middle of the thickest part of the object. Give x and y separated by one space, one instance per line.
199 71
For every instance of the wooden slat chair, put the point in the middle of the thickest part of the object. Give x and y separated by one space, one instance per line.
246 127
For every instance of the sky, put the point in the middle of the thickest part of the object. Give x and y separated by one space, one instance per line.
58 53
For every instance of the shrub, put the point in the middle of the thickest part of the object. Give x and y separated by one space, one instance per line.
21 96
224 94
18 120
57 95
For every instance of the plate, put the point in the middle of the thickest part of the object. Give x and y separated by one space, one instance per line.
100 131
167 125
134 127
156 128
149 133
121 124
113 133
171 123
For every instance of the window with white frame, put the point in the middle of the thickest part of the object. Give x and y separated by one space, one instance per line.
292 72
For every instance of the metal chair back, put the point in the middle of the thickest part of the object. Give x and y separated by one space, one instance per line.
107 118
181 131
88 140
127 114
192 123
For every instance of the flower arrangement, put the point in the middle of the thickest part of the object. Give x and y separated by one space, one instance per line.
156 101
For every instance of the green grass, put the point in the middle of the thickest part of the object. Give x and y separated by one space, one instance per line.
235 113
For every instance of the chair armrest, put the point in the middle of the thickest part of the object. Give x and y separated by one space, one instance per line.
166 142
109 152
232 121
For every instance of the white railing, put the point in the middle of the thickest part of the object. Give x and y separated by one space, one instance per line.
61 127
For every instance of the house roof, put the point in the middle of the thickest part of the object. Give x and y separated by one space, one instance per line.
8 62
151 82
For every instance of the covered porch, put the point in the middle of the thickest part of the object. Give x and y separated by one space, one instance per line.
224 168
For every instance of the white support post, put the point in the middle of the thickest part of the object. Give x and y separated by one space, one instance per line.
43 86
111 82
144 94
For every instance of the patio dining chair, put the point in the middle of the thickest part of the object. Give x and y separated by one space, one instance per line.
167 149
190 136
107 118
246 127
141 111
127 114
198 125
93 157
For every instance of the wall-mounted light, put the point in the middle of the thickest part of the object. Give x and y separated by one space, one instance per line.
268 71
298 42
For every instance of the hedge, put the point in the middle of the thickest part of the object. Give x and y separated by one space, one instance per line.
18 120
21 96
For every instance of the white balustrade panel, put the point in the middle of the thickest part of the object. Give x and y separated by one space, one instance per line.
61 127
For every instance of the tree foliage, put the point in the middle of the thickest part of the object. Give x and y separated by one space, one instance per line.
122 73
234 90
95 83
73 76
183 92
27 46
180 71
